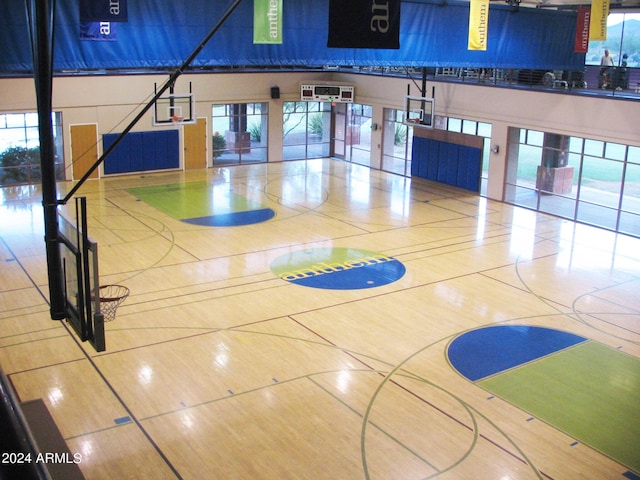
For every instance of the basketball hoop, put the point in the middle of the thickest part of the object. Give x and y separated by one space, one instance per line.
111 297
177 119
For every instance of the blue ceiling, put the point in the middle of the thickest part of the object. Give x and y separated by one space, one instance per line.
162 34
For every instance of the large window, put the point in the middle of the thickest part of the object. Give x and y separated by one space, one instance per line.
306 130
20 148
240 133
623 38
586 180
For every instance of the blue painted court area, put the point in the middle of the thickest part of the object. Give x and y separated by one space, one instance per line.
200 203
234 219
487 351
584 388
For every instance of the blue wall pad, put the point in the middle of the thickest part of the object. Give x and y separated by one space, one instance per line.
445 162
142 151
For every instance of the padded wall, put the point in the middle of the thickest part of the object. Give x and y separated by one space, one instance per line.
142 151
445 162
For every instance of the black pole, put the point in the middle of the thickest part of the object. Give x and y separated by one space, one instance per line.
423 89
40 14
170 82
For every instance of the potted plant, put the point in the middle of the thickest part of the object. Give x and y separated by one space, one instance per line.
219 144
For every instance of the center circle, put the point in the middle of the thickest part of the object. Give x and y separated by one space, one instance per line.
337 268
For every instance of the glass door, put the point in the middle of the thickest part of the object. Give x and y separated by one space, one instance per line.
339 126
352 134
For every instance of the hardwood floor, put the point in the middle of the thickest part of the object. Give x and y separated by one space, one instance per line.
217 368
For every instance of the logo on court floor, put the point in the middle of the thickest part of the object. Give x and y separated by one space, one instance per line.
338 268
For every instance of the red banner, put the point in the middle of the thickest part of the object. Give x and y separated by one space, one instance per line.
581 44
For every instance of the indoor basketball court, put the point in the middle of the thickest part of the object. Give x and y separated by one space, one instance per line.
315 317
373 327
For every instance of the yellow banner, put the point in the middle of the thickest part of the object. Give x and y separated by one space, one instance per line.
478 24
598 21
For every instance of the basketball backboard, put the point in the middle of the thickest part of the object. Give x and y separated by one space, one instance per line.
79 256
174 109
419 112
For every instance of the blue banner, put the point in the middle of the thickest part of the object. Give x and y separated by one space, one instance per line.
103 11
162 33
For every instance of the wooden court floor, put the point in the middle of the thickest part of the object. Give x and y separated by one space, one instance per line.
217 368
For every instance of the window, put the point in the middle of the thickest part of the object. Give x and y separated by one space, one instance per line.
622 38
20 148
240 133
590 181
306 129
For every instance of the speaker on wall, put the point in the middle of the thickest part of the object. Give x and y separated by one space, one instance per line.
275 92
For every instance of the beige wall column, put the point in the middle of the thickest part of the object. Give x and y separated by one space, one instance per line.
275 130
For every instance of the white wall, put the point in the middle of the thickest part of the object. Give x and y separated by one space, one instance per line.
112 101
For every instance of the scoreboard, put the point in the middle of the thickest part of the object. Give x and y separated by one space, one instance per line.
327 93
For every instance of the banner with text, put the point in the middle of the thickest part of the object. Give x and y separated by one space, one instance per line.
267 21
598 21
364 24
478 24
103 11
581 44
98 31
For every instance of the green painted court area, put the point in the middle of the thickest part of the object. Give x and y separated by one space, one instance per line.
192 200
590 391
